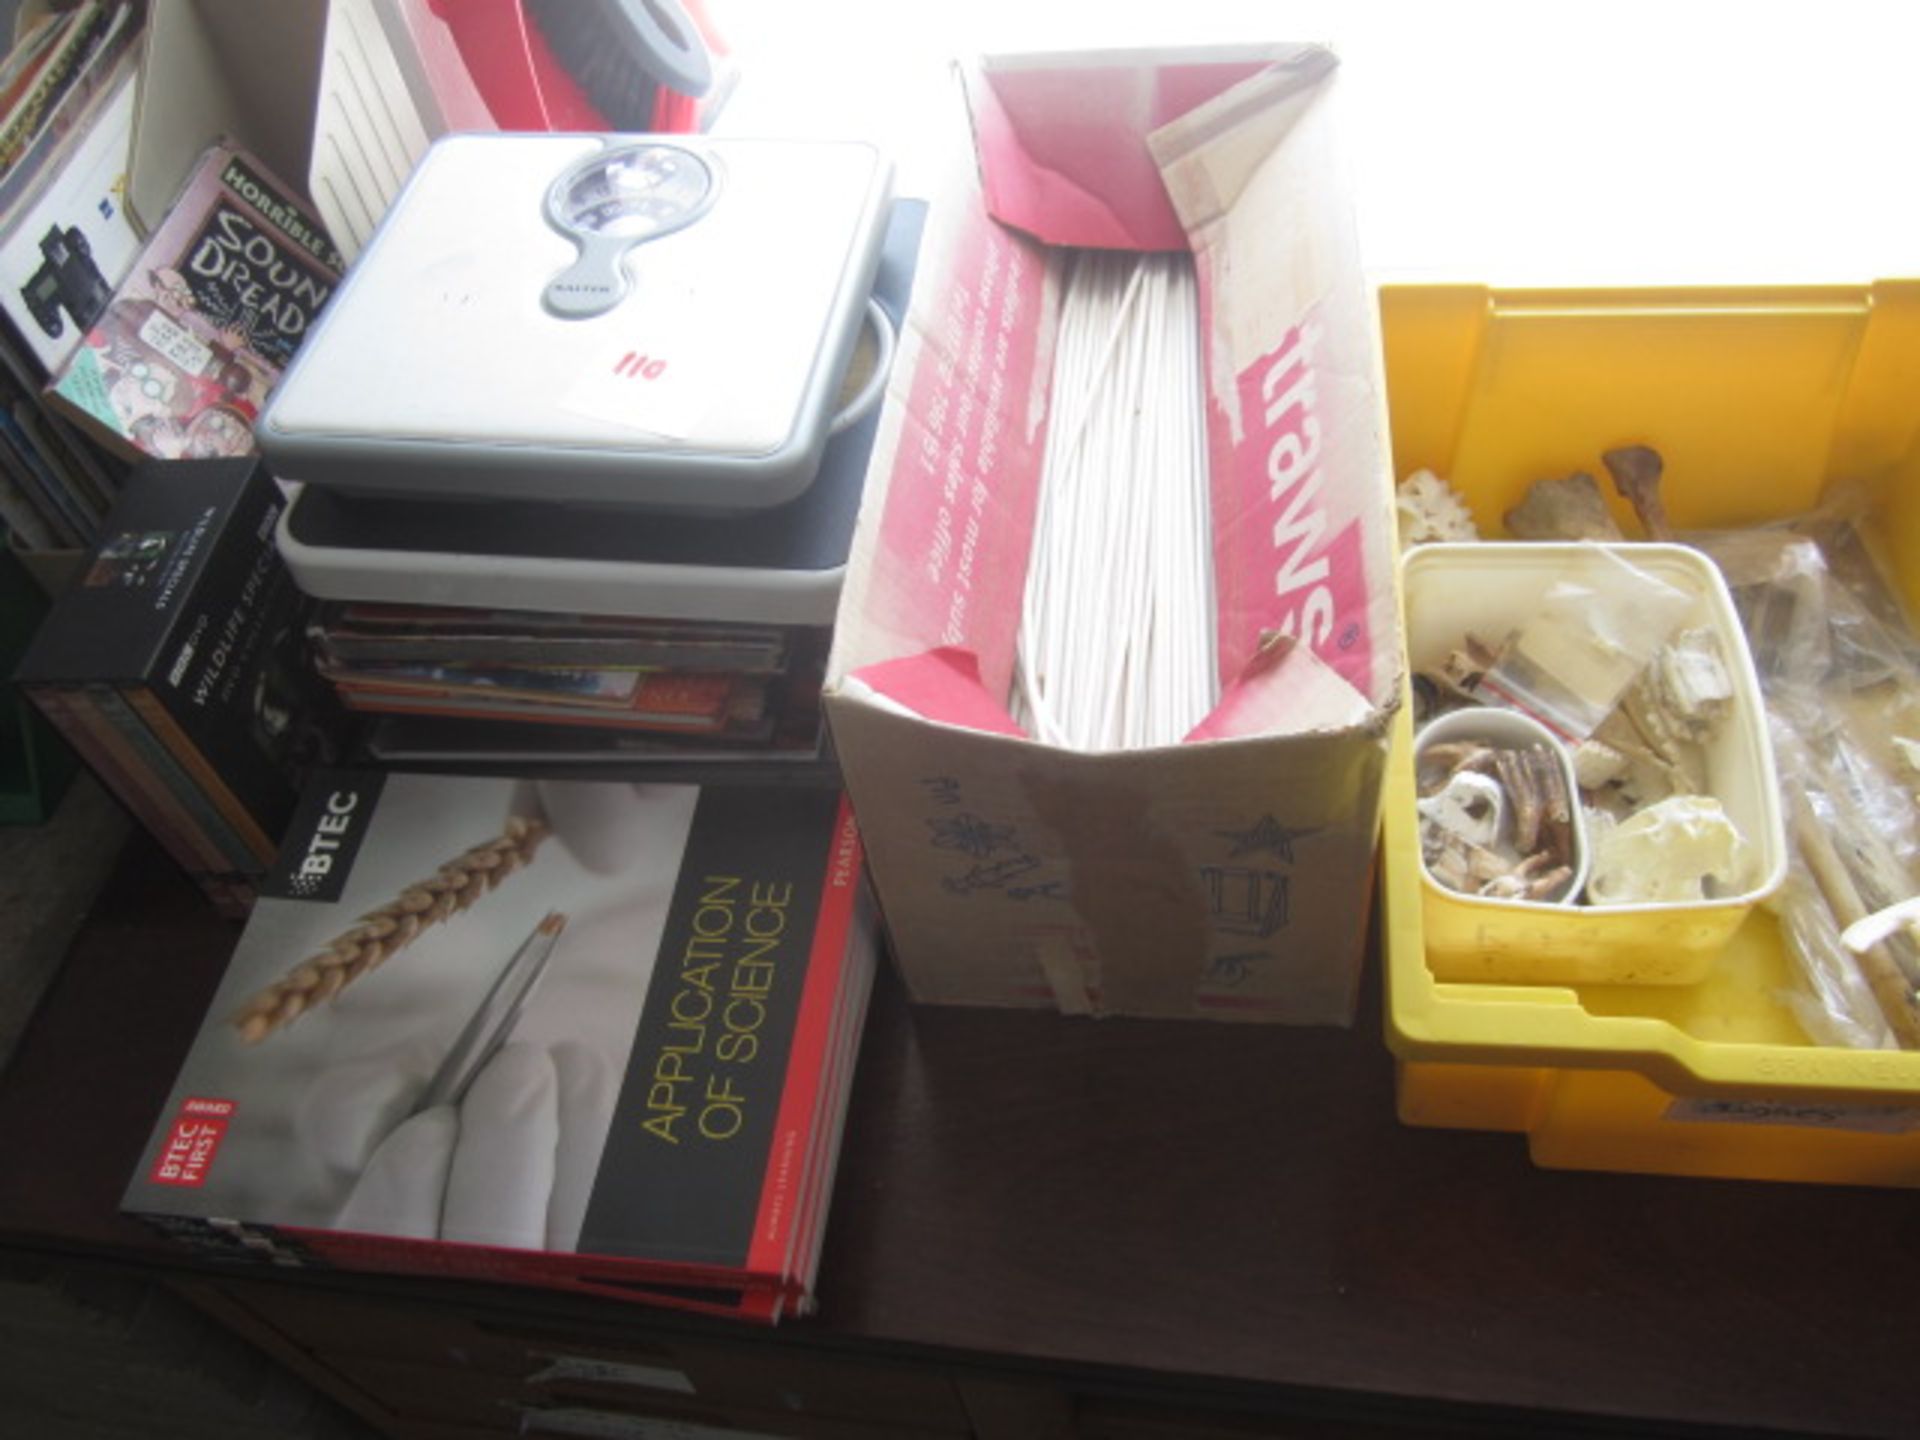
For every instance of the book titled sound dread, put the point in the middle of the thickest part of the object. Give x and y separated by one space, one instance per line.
183 357
176 668
585 1034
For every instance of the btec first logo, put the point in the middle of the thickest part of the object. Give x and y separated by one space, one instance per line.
186 1155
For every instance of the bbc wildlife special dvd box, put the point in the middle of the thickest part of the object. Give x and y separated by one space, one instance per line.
176 668
588 1034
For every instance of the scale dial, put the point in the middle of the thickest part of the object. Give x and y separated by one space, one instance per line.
613 201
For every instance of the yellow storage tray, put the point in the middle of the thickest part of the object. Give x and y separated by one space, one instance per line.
1759 400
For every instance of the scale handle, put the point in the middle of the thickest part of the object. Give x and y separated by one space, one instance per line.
594 283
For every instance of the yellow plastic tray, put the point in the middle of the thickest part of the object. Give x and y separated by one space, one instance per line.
1758 400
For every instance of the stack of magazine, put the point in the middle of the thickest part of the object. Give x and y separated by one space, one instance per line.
586 1034
472 686
68 96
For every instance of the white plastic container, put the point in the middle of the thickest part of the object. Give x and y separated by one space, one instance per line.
1487 589
1511 730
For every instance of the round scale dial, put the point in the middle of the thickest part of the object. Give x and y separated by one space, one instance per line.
613 201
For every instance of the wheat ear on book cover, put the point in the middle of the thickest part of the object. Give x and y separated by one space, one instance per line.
393 926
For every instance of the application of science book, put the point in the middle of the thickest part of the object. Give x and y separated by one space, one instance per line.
588 1034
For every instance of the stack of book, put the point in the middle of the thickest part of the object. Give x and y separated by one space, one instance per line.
67 103
175 668
56 66
584 1034
566 686
643 639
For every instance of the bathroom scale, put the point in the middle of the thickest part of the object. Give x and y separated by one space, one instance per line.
775 565
650 321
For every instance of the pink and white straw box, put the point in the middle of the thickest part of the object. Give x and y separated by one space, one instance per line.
1228 876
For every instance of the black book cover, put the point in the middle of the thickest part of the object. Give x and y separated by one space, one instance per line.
186 606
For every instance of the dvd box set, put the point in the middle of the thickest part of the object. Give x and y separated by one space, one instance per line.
176 668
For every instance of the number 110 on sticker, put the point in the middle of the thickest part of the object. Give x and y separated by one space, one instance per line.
638 388
635 366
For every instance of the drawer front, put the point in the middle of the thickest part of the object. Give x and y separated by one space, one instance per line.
583 1402
545 1355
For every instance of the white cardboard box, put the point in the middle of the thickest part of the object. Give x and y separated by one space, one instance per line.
1228 876
337 97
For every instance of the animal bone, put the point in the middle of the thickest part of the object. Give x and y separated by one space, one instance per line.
1495 820
1469 805
1556 803
1548 886
1430 509
1461 672
1690 682
1571 508
1597 764
1523 787
1457 755
1667 852
1650 776
1529 880
1677 704
1636 475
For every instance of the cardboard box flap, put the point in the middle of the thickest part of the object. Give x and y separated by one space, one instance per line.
215 68
1062 141
942 685
1285 689
1207 154
1303 530
940 557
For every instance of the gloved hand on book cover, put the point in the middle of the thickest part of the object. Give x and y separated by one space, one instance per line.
488 1137
501 1166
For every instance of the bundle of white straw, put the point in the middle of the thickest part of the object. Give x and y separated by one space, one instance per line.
1116 644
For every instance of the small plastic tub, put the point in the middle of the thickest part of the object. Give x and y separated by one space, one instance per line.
1500 729
1456 589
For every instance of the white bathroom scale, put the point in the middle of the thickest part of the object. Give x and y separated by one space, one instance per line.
774 565
658 321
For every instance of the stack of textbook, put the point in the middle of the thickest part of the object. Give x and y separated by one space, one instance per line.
584 1034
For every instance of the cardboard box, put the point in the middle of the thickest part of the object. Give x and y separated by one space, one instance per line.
223 69
1228 876
336 97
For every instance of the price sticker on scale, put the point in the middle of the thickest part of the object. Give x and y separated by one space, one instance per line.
653 391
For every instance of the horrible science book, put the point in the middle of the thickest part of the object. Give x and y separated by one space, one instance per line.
182 359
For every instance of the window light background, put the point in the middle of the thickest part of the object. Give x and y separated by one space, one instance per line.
1505 143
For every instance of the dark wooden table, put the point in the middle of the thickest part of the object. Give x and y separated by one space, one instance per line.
1181 1209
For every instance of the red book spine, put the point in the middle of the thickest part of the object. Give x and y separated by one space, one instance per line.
778 1215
